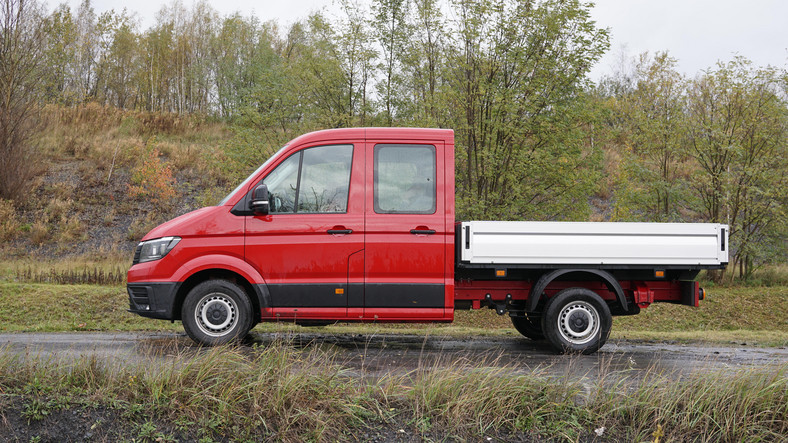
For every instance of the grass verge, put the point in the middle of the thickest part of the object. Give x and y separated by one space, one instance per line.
280 393
44 307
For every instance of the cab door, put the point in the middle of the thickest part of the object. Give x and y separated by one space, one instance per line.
303 247
405 228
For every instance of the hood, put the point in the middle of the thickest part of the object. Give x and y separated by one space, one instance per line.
203 221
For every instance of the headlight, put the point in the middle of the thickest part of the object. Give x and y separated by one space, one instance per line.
154 249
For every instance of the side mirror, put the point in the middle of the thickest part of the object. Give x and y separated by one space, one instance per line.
259 204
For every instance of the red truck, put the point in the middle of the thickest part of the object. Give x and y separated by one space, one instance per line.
357 225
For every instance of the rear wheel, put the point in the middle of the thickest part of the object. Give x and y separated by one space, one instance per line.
529 326
216 312
576 320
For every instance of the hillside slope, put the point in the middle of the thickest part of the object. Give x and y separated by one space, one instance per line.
105 177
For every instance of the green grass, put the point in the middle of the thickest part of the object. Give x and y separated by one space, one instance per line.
285 394
753 315
41 307
751 308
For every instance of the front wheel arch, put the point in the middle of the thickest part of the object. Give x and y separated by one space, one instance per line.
217 274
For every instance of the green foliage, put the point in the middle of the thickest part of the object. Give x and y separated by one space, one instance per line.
739 137
391 31
22 67
533 139
513 88
246 151
37 409
713 149
652 117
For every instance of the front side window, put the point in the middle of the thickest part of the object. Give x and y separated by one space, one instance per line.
405 179
283 184
314 180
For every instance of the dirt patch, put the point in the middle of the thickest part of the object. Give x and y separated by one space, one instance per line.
101 424
24 421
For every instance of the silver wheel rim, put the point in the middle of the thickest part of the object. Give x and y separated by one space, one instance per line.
216 314
578 322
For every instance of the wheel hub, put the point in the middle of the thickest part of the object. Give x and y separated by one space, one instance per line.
216 314
578 322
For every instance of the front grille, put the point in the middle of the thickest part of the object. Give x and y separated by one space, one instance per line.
137 255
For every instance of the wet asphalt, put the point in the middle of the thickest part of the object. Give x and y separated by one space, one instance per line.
376 355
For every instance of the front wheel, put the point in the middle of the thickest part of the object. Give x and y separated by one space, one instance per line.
216 312
576 320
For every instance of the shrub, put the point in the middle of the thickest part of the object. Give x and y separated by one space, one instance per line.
72 229
9 224
59 209
39 233
152 178
141 225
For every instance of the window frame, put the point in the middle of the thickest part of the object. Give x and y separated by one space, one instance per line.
300 154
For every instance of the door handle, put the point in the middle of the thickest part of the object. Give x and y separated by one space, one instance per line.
339 230
422 231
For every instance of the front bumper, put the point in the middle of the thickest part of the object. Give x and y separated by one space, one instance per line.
153 300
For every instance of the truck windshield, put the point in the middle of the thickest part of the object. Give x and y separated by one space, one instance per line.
246 181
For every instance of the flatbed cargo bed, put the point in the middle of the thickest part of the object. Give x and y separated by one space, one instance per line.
542 244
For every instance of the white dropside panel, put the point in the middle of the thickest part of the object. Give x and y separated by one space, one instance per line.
549 243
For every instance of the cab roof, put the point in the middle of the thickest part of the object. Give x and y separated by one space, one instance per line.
392 134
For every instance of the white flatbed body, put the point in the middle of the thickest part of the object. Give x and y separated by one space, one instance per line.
703 245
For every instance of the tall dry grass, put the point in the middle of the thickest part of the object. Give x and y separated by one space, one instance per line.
285 394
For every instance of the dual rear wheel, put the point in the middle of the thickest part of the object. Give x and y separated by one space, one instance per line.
575 320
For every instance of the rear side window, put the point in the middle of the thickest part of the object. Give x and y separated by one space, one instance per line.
405 179
315 180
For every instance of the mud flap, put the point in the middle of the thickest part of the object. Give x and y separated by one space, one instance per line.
690 293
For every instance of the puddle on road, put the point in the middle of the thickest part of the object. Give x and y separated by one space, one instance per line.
378 355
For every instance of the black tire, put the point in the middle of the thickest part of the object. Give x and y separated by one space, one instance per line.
216 312
589 316
529 326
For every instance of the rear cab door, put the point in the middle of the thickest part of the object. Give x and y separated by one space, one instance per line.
409 225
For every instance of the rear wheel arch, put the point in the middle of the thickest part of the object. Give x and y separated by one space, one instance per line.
537 291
